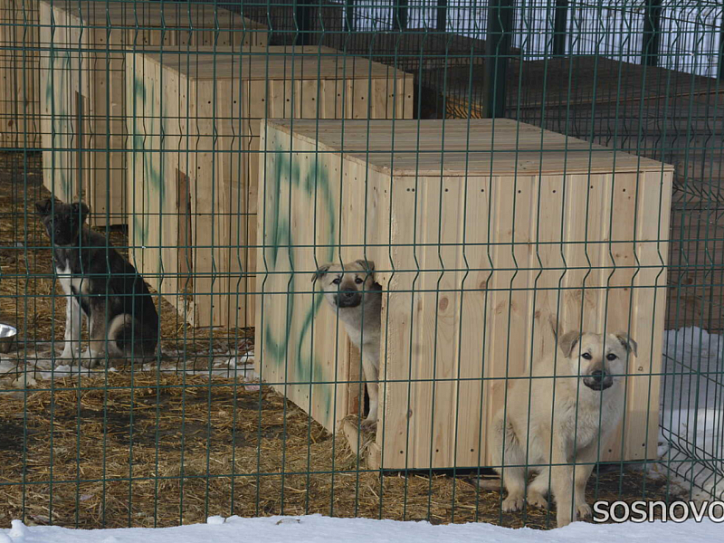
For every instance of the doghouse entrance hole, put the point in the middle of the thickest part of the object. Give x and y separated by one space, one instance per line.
185 249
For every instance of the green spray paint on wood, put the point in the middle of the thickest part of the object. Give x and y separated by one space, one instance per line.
151 173
315 181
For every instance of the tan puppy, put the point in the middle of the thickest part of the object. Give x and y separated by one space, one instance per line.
585 407
351 291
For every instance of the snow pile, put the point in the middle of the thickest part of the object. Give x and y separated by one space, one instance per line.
318 529
691 450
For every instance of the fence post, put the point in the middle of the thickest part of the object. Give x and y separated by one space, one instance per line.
652 33
721 53
349 16
399 14
560 27
304 21
497 49
441 15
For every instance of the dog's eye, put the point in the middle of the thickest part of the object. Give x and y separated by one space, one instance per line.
611 356
337 281
587 356
359 281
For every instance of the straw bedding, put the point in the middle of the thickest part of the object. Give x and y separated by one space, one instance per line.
159 448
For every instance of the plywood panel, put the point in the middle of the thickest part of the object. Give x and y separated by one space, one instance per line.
295 324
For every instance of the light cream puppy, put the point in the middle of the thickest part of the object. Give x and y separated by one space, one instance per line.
352 293
577 410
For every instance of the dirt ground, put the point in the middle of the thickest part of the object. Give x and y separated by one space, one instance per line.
159 448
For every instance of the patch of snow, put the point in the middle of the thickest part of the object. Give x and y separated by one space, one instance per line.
691 435
7 365
19 531
221 364
318 529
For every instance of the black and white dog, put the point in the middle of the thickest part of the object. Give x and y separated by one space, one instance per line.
101 285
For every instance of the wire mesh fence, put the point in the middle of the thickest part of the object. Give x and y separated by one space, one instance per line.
358 258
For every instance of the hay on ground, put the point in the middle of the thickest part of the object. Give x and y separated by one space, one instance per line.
161 448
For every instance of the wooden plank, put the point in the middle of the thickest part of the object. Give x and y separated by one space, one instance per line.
19 74
559 82
650 301
374 457
290 333
412 49
517 148
360 443
59 100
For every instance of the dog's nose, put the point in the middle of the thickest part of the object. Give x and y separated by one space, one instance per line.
347 294
598 376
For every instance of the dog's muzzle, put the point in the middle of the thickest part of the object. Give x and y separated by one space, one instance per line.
598 380
348 298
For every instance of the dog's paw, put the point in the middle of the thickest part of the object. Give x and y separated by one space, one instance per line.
583 510
369 425
536 499
563 518
514 502
89 359
69 354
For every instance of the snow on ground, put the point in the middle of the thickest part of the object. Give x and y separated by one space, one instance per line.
318 529
692 418
22 372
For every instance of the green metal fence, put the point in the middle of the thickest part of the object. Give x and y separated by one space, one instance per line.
485 177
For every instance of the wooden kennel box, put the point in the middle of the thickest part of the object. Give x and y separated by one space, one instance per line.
474 247
193 193
83 73
19 74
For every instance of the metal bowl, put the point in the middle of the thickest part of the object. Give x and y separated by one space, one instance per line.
8 334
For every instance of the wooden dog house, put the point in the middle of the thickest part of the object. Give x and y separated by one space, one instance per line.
83 101
193 193
480 230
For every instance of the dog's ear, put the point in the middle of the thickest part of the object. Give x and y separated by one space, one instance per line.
568 341
368 265
321 272
630 345
79 208
44 207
